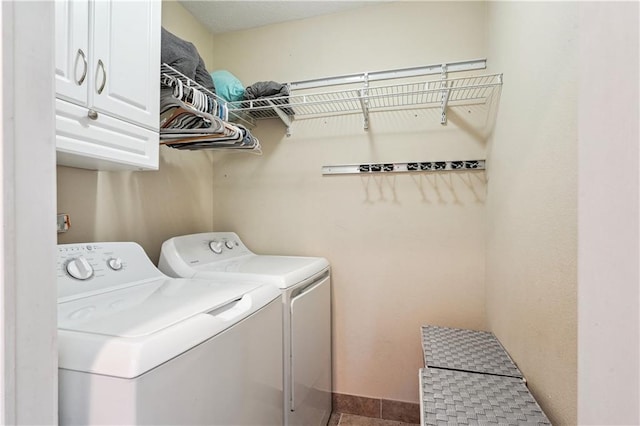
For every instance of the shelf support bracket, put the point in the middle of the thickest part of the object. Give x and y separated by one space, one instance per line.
284 117
444 95
443 106
364 102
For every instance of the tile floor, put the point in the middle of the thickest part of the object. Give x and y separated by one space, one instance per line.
375 408
343 419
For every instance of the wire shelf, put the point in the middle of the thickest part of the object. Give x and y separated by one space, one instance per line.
478 88
359 96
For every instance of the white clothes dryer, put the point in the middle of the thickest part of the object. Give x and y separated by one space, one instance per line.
306 302
137 347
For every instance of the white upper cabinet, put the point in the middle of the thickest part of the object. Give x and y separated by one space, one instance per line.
107 83
72 48
126 54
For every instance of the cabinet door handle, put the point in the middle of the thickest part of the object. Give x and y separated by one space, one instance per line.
81 55
104 75
92 114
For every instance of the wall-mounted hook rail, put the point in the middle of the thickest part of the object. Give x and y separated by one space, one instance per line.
410 167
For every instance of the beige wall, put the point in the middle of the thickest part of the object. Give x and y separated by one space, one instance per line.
378 37
406 250
609 216
145 207
532 197
179 21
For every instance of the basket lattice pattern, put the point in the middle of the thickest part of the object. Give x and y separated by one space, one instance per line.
466 350
463 398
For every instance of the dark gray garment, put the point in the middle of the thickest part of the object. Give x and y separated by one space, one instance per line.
264 94
184 57
263 89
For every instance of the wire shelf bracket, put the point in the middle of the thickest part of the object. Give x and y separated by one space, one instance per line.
444 100
283 117
364 102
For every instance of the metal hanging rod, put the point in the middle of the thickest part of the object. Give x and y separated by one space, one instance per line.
411 167
470 65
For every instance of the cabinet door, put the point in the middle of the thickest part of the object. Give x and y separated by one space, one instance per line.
126 56
71 50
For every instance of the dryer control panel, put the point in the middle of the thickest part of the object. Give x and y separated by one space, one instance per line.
92 268
179 255
209 246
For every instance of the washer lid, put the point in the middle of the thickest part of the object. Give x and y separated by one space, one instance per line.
282 271
127 332
147 308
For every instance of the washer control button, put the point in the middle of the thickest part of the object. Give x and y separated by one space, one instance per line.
79 268
229 244
115 263
216 246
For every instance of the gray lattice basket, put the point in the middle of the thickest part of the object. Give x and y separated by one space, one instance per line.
463 398
466 350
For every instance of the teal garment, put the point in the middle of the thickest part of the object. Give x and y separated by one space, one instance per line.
227 85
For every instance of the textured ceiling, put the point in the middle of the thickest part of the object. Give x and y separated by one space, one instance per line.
222 16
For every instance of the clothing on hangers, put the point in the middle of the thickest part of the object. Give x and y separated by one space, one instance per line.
190 118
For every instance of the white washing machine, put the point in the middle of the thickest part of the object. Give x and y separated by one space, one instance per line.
306 301
137 347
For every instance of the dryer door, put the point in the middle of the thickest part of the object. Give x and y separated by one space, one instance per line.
310 373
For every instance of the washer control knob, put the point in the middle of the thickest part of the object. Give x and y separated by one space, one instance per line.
115 263
229 244
216 246
79 268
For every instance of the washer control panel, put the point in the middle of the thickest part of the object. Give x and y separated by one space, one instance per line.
91 268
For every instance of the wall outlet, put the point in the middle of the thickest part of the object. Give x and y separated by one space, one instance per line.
63 223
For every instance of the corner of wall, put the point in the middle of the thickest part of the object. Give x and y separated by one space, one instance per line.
531 241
